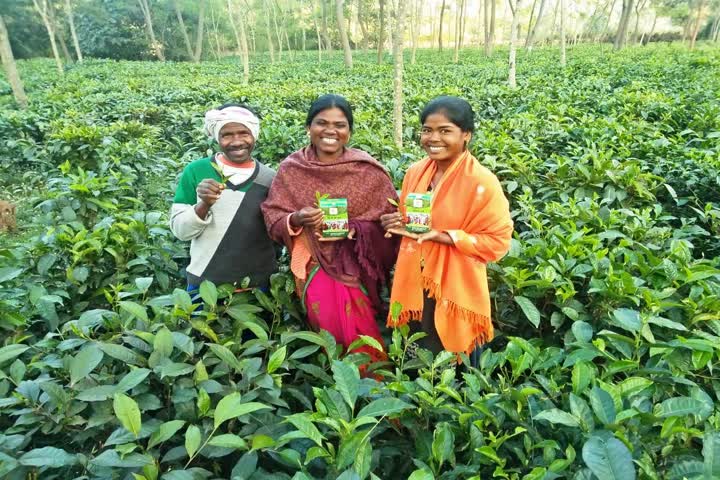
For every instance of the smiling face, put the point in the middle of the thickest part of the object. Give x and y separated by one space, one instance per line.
442 139
329 132
236 142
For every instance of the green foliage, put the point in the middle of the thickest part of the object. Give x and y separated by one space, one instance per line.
608 346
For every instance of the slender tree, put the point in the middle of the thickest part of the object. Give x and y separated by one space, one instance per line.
278 33
458 31
698 20
563 54
398 43
43 9
515 10
530 22
639 6
8 61
183 29
416 22
621 36
381 33
319 39
325 32
492 25
199 40
532 33
271 46
238 28
155 46
363 27
73 33
343 33
486 27
440 34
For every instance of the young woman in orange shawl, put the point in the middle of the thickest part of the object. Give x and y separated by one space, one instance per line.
440 277
339 281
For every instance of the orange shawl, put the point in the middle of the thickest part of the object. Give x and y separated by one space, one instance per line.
469 205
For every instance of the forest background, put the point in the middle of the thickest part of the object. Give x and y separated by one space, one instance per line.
601 120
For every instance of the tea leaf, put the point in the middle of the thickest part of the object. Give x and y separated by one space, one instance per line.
231 406
193 437
383 406
84 363
47 457
165 432
555 415
608 458
529 309
276 359
127 411
347 379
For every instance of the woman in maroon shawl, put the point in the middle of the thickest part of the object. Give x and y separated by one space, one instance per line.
338 279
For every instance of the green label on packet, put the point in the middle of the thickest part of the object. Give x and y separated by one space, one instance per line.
335 217
417 212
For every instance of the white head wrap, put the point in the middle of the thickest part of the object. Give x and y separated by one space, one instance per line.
216 119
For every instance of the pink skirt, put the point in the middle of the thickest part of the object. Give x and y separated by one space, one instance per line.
345 312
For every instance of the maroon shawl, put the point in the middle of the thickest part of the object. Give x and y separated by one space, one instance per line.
367 187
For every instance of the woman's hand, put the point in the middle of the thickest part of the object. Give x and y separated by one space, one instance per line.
393 224
435 236
351 236
309 217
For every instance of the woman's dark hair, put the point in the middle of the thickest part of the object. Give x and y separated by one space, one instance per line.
241 105
456 109
326 102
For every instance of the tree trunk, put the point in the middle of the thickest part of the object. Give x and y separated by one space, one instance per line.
71 21
554 20
381 33
440 34
188 45
241 40
458 20
638 8
621 36
533 31
8 61
416 28
715 29
214 24
648 38
271 46
492 25
63 45
278 34
200 34
363 28
326 35
155 46
463 23
398 40
530 23
563 53
696 28
486 26
42 7
319 39
343 33
515 9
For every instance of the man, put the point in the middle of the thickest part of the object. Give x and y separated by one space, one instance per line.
217 205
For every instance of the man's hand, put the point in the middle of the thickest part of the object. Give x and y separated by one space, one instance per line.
209 191
309 217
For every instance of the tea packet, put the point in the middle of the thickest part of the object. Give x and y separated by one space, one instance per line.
335 217
417 212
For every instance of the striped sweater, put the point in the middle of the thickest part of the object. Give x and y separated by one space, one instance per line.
231 243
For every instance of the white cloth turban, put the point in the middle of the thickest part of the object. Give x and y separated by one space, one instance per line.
216 119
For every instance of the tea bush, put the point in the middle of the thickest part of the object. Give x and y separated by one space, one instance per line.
607 306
